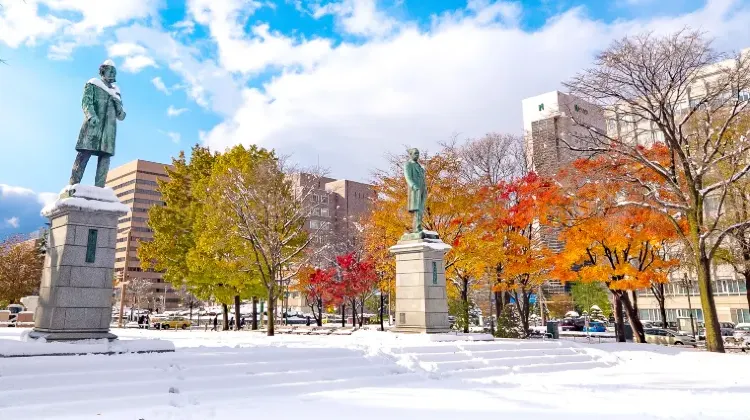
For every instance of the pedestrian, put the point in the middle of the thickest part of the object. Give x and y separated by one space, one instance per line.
308 320
231 323
216 323
242 323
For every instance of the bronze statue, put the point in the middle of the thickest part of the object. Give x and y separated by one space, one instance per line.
417 189
102 107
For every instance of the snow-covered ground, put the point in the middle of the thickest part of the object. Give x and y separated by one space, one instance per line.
374 375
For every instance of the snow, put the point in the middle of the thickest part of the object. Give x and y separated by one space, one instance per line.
86 197
435 244
375 375
30 347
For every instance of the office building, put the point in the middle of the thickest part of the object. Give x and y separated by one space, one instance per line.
338 206
135 184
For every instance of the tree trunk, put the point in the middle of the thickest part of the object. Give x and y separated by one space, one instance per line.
634 318
499 304
255 314
237 313
542 311
714 342
271 308
661 300
362 313
343 315
619 322
354 313
522 304
465 300
319 319
225 317
382 304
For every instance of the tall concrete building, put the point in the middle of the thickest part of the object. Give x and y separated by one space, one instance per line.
550 129
135 185
338 205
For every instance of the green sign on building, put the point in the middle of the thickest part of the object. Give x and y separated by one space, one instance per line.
434 272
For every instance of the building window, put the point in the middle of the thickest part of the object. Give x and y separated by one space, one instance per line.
120 259
120 249
324 212
740 315
315 224
125 193
121 239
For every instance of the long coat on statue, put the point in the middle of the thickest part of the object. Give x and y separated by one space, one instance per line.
106 104
414 174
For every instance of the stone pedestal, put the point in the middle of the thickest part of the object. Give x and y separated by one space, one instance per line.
421 302
75 297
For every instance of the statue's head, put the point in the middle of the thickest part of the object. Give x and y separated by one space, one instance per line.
108 72
414 154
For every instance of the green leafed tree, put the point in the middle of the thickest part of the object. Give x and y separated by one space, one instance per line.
257 206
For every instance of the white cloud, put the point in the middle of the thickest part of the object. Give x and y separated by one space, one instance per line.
175 112
46 198
261 48
467 74
70 23
136 57
13 222
160 86
173 136
20 23
136 63
125 49
209 85
358 17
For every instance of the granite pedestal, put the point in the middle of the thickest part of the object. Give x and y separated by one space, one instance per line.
75 297
421 301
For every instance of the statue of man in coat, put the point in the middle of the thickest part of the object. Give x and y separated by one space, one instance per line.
417 189
102 107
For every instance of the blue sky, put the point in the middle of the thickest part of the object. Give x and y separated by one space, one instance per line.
339 82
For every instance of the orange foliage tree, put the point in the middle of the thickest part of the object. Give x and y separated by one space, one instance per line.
605 241
513 244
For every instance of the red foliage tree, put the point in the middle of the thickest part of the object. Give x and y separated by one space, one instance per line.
358 279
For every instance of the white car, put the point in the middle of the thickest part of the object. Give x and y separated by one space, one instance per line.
668 337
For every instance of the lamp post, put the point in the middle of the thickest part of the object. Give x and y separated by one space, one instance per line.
124 279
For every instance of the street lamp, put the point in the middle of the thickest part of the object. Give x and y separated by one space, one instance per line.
124 279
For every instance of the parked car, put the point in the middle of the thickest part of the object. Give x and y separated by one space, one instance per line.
174 322
668 337
596 326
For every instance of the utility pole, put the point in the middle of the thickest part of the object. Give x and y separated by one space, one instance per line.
124 279
687 284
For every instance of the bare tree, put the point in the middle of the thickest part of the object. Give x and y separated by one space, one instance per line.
140 291
672 94
493 158
268 203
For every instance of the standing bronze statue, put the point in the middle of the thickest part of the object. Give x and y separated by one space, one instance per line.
417 189
102 107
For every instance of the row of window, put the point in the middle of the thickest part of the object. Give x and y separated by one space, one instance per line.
739 315
320 198
720 287
317 224
135 219
672 314
143 201
321 211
